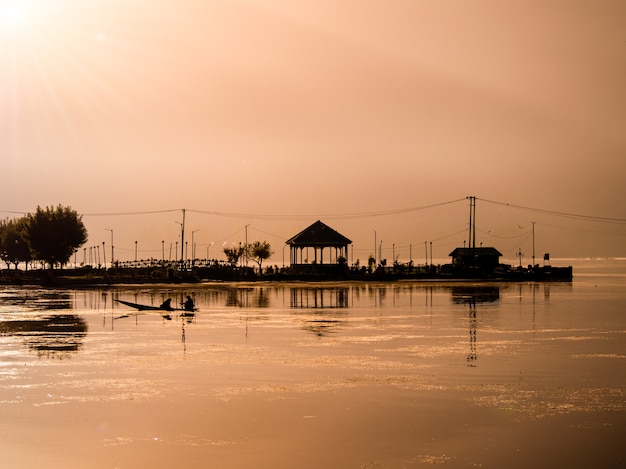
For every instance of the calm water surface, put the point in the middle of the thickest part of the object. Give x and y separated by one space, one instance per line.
318 375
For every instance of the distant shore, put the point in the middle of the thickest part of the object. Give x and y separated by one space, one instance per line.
158 275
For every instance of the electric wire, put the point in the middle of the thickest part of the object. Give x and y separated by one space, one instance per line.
576 216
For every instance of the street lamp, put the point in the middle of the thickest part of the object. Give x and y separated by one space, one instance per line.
246 246
193 245
374 247
207 249
112 257
182 238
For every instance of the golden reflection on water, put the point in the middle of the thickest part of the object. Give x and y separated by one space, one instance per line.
262 375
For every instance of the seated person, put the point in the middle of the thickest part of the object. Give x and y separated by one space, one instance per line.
188 304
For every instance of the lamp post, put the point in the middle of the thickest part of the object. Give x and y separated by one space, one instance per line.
246 245
163 250
374 247
112 256
135 251
104 256
182 246
193 245
207 249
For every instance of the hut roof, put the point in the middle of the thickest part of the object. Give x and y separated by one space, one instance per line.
481 252
318 234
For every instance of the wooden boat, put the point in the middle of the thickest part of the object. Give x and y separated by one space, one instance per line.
141 307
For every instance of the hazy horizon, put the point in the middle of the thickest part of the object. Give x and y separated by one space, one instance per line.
273 114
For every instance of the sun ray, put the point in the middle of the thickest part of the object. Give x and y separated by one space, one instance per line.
62 61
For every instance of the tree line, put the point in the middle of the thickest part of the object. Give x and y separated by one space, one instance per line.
50 235
53 234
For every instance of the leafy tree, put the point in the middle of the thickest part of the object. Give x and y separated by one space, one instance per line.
54 234
233 254
258 251
14 246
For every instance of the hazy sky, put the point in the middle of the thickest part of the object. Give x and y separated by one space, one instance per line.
339 110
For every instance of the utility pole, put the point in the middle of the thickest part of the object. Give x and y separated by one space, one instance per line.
533 243
182 238
112 257
472 228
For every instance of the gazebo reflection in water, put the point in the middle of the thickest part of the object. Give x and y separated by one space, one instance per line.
319 298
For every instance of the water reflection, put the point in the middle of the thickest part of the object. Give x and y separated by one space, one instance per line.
472 296
318 297
54 336
36 299
320 309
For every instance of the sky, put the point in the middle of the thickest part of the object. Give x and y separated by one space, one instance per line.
259 117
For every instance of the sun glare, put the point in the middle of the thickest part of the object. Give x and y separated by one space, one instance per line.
14 16
20 19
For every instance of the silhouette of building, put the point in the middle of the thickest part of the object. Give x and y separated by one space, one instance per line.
484 258
308 247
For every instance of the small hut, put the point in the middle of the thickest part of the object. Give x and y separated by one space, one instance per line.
317 238
484 258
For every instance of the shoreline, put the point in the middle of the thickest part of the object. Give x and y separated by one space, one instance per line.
197 275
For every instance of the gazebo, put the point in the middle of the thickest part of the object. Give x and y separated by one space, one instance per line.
318 237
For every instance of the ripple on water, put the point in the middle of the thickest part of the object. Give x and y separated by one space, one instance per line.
539 404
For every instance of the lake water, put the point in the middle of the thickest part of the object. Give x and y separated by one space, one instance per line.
342 375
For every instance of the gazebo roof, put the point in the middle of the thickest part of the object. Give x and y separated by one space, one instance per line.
318 234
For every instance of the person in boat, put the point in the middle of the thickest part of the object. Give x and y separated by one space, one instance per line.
167 304
188 304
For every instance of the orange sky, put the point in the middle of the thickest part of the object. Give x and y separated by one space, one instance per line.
318 108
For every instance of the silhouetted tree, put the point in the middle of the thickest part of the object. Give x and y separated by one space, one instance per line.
14 246
259 251
233 254
54 234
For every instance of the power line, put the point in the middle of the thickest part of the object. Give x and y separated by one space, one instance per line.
339 216
286 217
561 214
118 214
